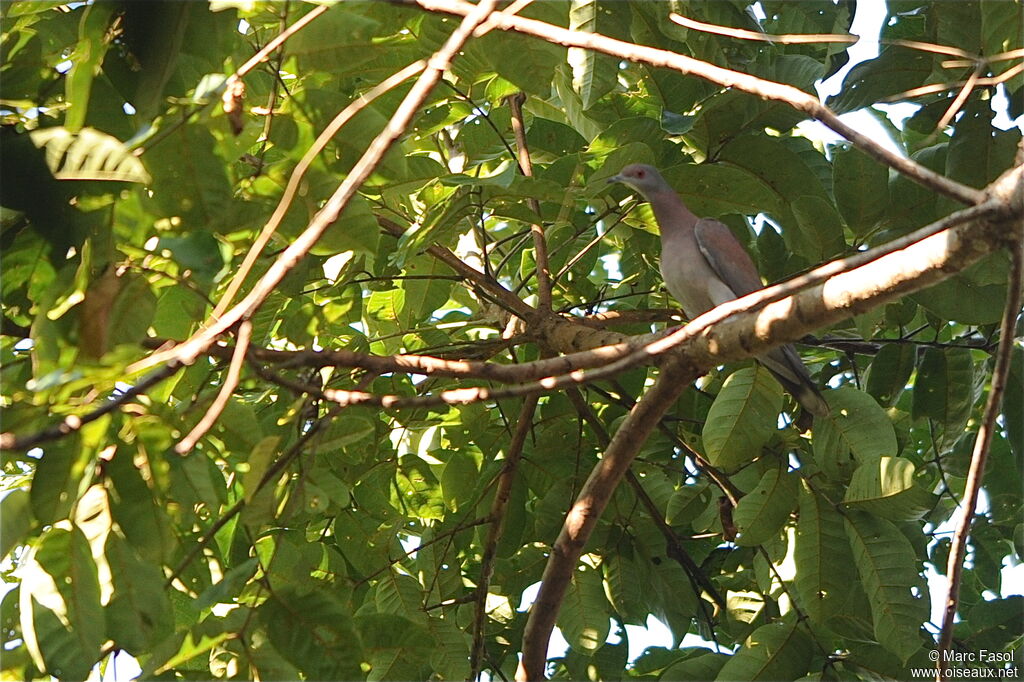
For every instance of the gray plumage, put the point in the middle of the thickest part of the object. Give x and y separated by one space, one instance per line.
704 265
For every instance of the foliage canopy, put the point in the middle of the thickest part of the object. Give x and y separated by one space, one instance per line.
298 538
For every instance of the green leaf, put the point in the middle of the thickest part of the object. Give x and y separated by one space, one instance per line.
401 594
15 520
196 252
61 617
314 632
134 508
856 426
450 655
763 511
742 418
890 371
87 154
624 586
139 614
895 70
887 488
823 556
86 58
820 228
719 189
885 562
593 74
584 617
701 664
944 388
59 479
176 311
961 300
779 651
356 230
132 311
862 189
189 181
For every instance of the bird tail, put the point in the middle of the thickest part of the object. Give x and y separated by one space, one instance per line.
787 368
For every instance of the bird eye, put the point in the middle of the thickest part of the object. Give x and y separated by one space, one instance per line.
639 173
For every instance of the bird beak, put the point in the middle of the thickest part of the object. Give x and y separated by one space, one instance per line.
614 178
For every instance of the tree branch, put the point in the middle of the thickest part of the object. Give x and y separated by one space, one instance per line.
187 352
497 525
798 99
979 456
540 245
72 423
591 501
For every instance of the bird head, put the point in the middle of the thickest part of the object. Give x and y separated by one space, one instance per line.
641 177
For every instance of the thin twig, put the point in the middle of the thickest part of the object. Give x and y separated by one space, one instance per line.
959 100
499 508
979 456
942 87
540 245
72 423
224 395
810 38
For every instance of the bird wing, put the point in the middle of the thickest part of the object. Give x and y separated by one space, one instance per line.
727 257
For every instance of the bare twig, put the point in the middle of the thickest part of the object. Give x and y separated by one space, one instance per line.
942 87
979 456
781 38
959 100
540 245
497 517
223 395
809 38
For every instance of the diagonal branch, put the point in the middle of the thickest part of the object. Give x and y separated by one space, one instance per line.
72 423
586 510
329 214
979 456
796 98
497 525
299 172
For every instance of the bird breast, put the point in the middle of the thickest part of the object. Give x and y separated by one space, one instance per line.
688 275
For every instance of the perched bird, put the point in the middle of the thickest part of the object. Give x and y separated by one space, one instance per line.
704 265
